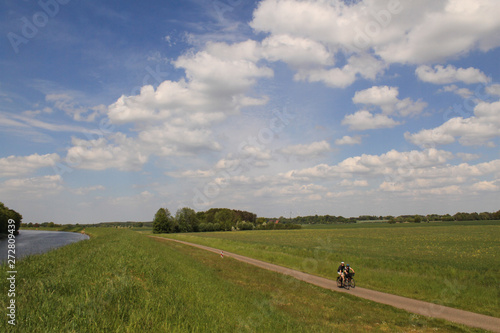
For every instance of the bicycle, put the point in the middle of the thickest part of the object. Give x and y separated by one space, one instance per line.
348 282
339 282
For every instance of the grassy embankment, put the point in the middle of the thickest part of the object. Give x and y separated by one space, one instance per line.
122 281
69 228
453 264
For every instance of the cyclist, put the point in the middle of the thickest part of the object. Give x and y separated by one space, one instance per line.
340 271
349 272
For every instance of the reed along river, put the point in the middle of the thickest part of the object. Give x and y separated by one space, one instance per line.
36 242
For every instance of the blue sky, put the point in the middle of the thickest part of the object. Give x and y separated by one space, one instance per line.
109 111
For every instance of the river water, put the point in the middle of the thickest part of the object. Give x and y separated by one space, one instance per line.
36 242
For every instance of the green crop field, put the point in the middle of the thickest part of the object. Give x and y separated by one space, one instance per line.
123 281
452 264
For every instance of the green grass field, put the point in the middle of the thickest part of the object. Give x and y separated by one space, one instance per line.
122 281
453 264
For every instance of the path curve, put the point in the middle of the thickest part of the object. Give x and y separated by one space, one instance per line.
415 306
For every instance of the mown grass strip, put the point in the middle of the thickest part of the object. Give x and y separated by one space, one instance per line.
122 281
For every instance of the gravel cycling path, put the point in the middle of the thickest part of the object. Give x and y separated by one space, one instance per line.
415 306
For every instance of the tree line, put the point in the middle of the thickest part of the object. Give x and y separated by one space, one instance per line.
5 215
214 219
317 219
329 219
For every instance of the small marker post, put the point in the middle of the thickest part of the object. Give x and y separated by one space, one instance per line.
222 254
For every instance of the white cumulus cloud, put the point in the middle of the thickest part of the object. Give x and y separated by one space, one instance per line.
450 74
364 120
403 31
387 99
36 187
485 186
309 150
475 130
177 117
12 166
349 140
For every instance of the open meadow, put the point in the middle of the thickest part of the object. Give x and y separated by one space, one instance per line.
123 281
453 264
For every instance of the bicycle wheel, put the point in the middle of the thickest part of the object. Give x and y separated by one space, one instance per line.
347 283
353 284
339 283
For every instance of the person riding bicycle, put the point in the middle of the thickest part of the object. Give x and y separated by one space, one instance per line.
341 270
348 272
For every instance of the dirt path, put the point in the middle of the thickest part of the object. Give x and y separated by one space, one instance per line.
408 304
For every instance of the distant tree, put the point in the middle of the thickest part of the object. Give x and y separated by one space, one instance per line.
4 218
5 215
225 218
210 215
162 222
187 220
485 216
242 215
447 218
201 216
243 225
261 220
203 227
